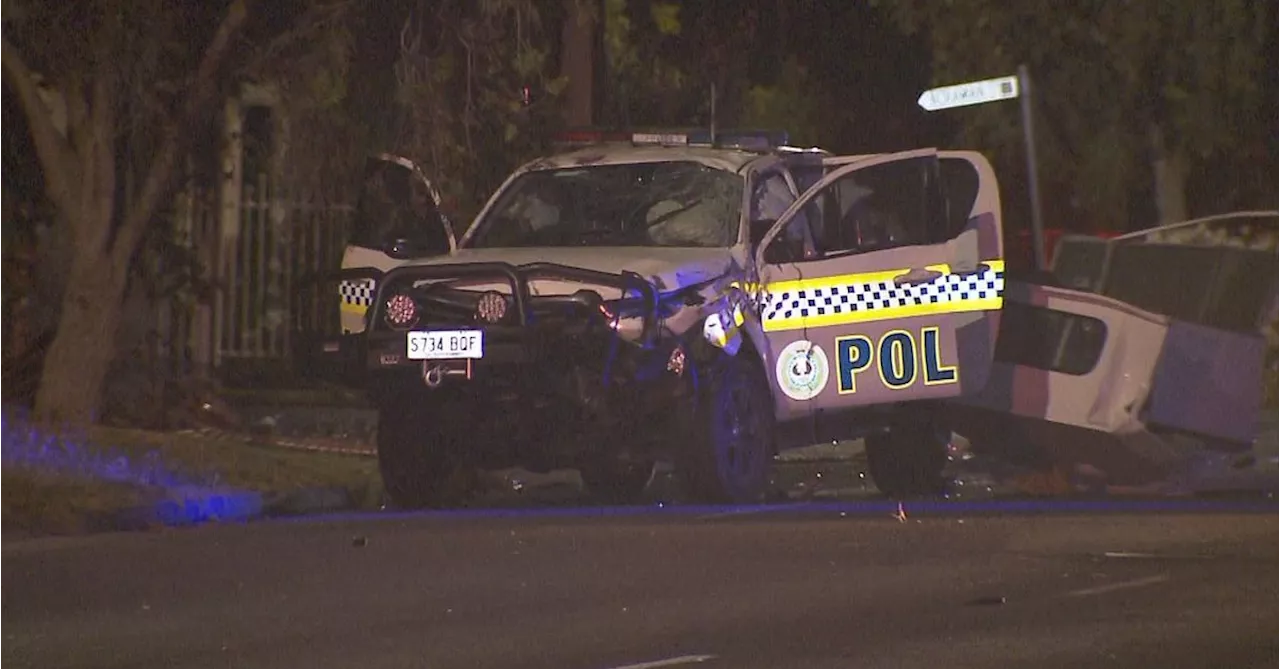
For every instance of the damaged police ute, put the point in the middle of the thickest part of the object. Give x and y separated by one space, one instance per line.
669 297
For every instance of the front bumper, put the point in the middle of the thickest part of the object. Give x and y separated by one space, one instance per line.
537 333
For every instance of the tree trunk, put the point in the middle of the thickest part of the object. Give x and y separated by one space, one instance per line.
577 62
1169 169
76 364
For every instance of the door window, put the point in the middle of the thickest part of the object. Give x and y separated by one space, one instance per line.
1056 341
872 209
773 193
397 208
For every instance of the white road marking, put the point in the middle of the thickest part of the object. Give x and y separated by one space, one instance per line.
669 662
1129 554
1153 556
1123 585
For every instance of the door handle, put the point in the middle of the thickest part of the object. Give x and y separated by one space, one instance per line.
976 269
914 276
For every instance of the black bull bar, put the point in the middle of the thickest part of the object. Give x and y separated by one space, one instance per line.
320 344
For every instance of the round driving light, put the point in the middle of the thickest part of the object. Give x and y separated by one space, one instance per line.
676 361
491 307
401 312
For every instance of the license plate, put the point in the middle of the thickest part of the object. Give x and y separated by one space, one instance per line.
446 344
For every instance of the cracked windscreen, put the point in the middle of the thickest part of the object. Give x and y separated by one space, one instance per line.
674 204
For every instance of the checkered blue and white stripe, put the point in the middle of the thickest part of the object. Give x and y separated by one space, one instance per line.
358 292
860 297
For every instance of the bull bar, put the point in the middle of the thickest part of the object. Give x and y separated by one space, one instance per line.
518 278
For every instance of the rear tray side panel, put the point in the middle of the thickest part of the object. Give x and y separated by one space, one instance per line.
1208 381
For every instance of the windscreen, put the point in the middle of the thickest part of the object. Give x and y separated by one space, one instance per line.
674 204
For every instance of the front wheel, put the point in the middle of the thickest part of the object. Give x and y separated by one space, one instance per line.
909 459
418 453
729 459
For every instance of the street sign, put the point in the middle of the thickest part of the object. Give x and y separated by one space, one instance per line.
971 93
995 90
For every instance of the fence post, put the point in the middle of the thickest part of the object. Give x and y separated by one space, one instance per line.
229 227
202 330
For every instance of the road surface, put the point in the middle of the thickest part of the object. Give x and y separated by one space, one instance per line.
758 587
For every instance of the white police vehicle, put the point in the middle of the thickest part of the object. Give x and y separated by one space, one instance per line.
669 297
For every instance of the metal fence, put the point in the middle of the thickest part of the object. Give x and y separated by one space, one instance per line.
257 248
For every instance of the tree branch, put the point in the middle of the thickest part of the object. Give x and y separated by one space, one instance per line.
61 173
316 18
160 174
102 155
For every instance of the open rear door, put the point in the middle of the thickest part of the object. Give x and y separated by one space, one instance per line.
398 217
896 297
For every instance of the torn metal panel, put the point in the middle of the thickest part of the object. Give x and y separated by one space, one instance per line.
1147 359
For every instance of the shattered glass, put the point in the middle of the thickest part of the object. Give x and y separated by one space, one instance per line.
670 204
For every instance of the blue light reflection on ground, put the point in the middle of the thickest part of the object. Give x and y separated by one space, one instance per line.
191 506
185 499
864 508
24 446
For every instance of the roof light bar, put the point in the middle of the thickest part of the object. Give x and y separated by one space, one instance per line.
660 138
750 140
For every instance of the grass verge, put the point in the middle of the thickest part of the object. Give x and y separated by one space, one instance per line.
69 483
37 502
240 462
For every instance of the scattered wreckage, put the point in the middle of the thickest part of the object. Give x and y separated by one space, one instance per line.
1137 363
669 297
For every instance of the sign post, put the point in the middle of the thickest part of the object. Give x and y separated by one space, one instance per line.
996 90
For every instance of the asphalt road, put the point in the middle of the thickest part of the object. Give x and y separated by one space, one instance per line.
764 587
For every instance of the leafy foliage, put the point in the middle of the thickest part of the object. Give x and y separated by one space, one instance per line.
1112 82
646 85
309 70
790 104
114 93
460 78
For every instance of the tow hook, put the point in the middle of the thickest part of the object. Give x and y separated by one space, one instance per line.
433 376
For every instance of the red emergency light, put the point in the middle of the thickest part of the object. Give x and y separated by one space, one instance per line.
587 137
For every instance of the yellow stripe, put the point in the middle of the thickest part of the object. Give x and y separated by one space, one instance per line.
357 309
954 305
864 277
885 313
846 279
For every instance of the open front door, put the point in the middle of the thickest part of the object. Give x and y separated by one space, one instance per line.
896 297
398 217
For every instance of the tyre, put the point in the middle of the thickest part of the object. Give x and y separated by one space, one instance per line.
908 459
616 483
732 451
417 453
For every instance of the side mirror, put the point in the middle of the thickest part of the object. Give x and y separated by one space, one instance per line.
783 250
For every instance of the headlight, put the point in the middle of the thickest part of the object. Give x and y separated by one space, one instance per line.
491 307
401 312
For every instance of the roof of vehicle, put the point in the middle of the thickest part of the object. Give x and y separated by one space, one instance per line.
623 153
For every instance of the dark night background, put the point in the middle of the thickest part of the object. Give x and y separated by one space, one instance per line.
444 82
867 72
